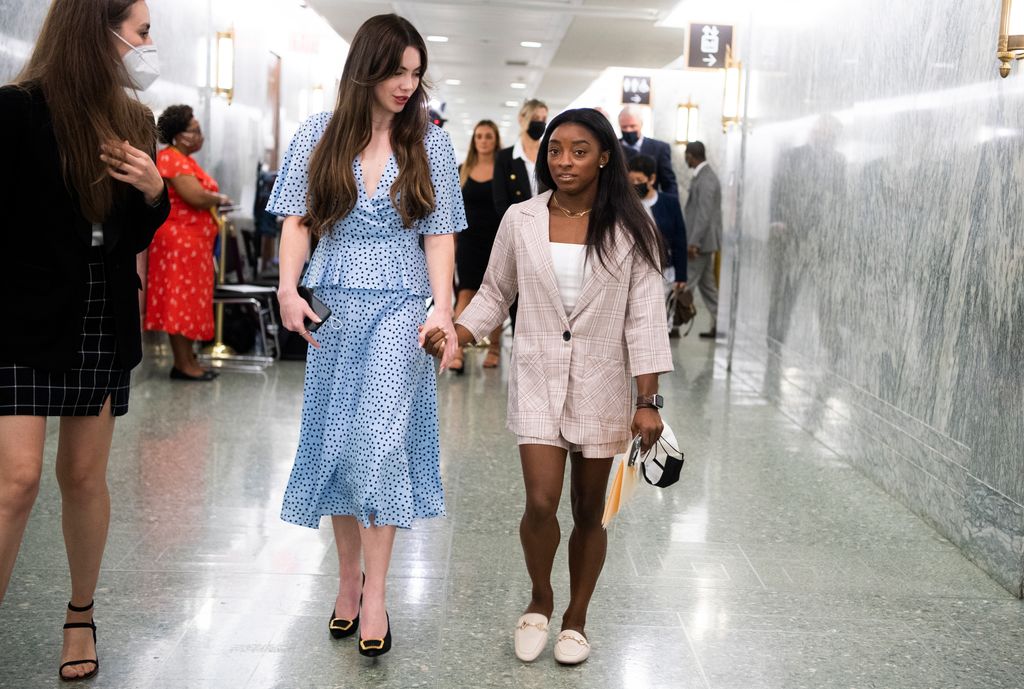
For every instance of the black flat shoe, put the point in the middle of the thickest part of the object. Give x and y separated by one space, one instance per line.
94 661
204 377
709 335
339 627
371 648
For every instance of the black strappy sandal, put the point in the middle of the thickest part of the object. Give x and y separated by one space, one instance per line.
81 625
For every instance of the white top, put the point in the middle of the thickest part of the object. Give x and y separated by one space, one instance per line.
517 152
648 204
570 270
97 234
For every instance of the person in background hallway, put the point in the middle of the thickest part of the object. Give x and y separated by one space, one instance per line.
369 179
634 143
808 194
703 215
179 282
586 261
83 199
514 178
473 248
668 216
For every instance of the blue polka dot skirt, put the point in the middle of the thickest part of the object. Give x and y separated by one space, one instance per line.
369 442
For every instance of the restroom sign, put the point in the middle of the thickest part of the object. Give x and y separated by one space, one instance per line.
708 45
636 90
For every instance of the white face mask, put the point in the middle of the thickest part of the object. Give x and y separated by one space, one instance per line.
142 63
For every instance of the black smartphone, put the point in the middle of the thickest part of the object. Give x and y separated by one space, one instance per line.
319 308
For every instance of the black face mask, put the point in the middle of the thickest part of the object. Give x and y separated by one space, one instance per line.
631 137
642 189
536 130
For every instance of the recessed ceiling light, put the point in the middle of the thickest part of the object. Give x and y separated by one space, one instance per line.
437 39
517 85
511 104
530 44
453 82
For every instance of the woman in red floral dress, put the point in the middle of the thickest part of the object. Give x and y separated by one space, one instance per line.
179 285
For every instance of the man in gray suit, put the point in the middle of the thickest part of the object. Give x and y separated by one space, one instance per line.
703 216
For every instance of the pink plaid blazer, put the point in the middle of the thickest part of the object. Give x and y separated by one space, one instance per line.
569 375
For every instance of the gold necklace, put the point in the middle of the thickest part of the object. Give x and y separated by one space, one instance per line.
568 213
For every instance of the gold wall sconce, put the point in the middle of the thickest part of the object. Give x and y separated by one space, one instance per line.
687 123
733 95
1011 36
224 76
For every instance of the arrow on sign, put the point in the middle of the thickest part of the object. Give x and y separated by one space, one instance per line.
710 60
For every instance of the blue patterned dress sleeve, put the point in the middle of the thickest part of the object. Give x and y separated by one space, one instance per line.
290 190
449 214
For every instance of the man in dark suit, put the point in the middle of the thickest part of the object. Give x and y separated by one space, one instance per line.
635 143
703 214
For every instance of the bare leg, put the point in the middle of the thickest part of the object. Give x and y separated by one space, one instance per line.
377 544
184 355
350 578
543 470
493 357
589 541
82 456
21 463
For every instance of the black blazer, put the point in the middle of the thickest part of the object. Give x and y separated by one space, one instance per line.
511 181
47 242
662 154
668 216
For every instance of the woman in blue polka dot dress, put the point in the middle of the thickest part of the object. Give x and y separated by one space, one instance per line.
369 179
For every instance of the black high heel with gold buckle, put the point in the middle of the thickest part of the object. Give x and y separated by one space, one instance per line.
371 648
81 625
341 628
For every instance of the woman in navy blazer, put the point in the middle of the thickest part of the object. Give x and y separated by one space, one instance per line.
667 213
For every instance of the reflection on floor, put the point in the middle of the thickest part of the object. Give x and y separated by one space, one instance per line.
771 564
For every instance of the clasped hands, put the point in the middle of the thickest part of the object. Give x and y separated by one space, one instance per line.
439 337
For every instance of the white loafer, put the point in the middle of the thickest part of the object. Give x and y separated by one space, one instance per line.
531 636
571 647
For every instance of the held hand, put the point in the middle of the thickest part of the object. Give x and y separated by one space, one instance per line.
694 251
128 164
294 311
434 342
449 340
648 425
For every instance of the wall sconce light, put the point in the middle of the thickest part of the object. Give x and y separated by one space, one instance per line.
316 99
687 123
733 94
1011 36
224 84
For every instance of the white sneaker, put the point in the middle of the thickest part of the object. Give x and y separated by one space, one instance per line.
571 647
531 636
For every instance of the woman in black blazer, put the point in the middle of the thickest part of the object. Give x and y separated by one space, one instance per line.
83 200
514 181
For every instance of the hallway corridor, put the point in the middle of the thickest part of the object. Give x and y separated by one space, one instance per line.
772 564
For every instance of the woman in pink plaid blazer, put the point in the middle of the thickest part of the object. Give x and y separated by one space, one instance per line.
585 261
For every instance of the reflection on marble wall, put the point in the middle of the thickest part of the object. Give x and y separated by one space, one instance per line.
881 254
239 134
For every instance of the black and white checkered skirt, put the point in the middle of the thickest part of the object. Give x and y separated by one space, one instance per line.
83 389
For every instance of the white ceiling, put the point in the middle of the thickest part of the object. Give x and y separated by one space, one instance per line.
579 38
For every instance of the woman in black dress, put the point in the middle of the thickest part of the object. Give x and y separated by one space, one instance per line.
474 245
83 200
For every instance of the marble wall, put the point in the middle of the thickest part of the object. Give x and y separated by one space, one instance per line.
876 268
239 134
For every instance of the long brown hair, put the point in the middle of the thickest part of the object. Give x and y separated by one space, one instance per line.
374 56
82 78
474 155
